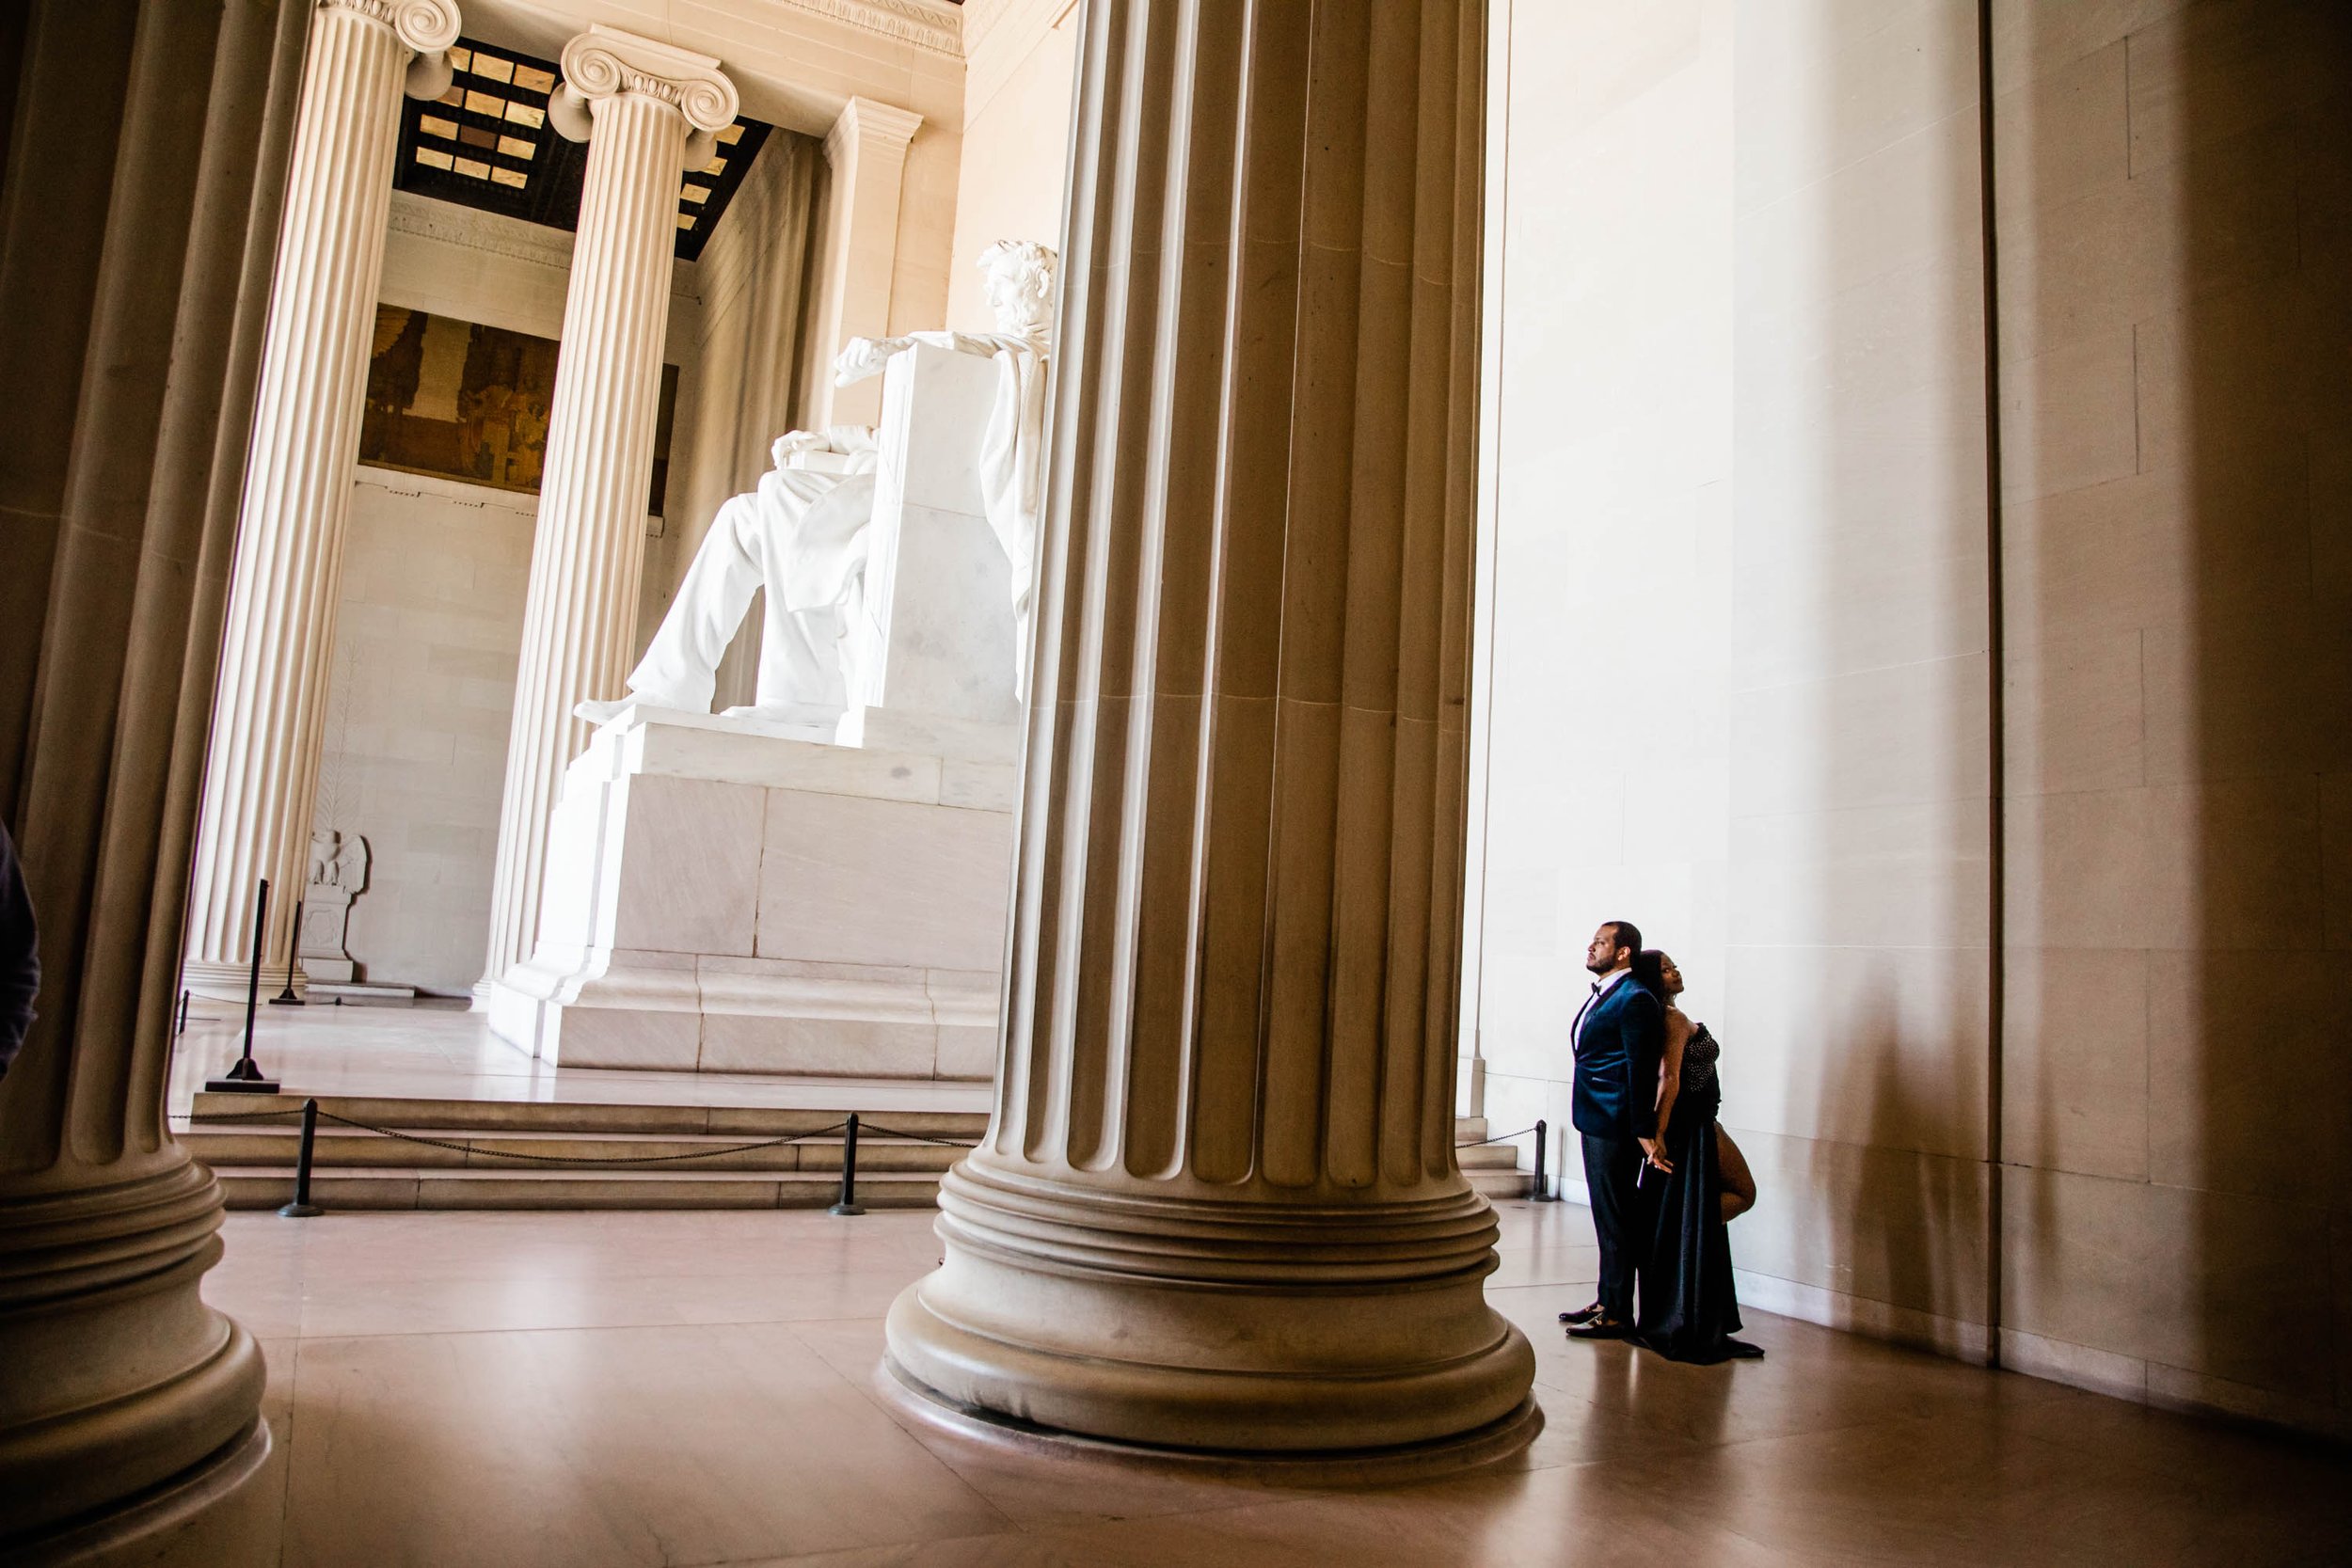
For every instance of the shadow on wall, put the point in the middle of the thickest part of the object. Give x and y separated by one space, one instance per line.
1864 532
2175 235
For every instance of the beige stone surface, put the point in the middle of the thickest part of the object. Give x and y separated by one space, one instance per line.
2174 1160
427 630
2098 1262
691 883
1019 84
2076 1056
647 1369
898 883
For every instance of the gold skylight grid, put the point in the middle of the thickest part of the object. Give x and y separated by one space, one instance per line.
480 129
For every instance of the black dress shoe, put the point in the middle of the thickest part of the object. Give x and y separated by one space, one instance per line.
1582 1315
1602 1328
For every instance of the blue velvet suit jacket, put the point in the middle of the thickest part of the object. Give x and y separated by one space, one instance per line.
1617 1058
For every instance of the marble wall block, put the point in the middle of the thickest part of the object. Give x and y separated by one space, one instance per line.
850 880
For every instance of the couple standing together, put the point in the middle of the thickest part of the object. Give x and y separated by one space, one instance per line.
1664 1178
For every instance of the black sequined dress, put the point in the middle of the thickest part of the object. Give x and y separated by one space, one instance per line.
1689 1309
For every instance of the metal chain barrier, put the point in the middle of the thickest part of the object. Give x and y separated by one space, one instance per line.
249 1118
311 1115
1500 1138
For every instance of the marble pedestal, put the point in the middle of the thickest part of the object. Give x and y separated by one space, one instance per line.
939 677
726 896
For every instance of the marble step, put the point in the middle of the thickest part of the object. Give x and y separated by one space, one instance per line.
354 1188
252 1146
1503 1183
342 1147
545 1115
362 1188
280 1145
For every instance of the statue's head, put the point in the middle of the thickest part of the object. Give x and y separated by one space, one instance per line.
1021 286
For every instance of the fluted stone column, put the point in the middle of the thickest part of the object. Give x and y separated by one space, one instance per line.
268 727
129 1427
867 152
1217 1206
647 112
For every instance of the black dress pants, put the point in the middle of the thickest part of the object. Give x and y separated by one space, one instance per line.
1612 1172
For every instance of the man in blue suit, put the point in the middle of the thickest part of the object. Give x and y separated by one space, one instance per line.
1620 1040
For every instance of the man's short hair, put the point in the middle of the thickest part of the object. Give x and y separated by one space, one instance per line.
1628 934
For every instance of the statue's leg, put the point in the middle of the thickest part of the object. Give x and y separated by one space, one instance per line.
800 675
680 667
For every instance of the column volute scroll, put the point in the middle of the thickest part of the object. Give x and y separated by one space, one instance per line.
604 63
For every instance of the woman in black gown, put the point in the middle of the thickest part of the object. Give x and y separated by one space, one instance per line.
1689 1309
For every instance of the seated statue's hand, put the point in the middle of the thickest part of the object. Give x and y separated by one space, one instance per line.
864 356
794 442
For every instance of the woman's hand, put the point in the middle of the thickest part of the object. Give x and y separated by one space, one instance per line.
1654 1153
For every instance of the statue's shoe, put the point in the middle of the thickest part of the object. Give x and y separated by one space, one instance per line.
815 715
603 712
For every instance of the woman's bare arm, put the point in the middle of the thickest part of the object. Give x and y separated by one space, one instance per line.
1670 1070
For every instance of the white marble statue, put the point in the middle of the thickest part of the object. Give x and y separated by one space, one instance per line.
338 874
802 533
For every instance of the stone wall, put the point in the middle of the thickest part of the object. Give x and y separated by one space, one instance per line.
2175 244
1741 683
429 615
427 634
1019 91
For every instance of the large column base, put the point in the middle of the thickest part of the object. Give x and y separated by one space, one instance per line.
122 1385
1206 1325
217 1514
987 1431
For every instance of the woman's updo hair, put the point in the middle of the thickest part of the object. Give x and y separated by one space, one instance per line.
1649 973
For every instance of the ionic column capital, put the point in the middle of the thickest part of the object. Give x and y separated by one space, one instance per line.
867 127
427 27
605 63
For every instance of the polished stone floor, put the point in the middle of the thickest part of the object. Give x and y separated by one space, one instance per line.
443 1051
608 1390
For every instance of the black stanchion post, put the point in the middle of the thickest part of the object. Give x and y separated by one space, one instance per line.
1543 1176
245 1075
294 946
849 1170
302 1208
181 1025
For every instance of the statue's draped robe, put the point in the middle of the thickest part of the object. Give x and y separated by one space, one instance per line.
802 533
